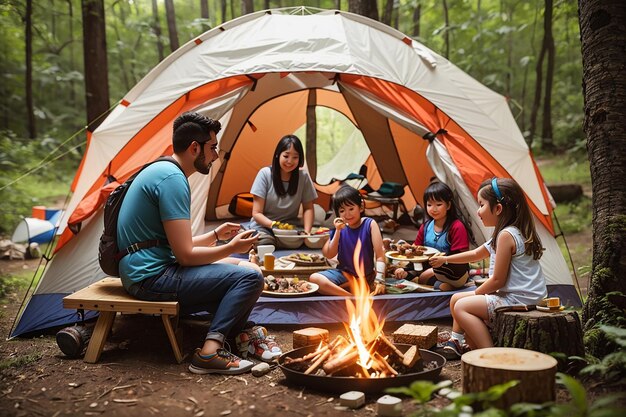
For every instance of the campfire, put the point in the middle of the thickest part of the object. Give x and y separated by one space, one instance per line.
365 352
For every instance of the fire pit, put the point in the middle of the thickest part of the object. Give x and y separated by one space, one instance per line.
433 363
364 360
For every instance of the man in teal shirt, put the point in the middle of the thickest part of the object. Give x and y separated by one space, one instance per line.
190 269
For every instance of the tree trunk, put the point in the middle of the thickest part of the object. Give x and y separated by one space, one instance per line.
547 144
156 28
247 6
223 9
483 368
603 36
538 83
122 59
70 11
170 14
417 16
446 32
95 58
525 82
204 13
388 12
542 332
311 135
30 108
338 4
365 8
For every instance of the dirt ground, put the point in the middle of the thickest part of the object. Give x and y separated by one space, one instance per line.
137 375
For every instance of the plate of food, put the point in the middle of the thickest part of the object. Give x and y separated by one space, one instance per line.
306 259
288 287
411 257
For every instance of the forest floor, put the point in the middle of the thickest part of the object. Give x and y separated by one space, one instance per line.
137 374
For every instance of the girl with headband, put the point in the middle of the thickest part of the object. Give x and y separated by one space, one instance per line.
515 276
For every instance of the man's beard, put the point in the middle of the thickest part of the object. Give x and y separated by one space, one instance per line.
200 163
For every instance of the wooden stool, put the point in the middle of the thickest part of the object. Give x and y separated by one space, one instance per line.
484 368
109 297
545 332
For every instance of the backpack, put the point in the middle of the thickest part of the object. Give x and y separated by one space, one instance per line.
109 255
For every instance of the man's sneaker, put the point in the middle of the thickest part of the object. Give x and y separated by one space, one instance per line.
221 362
452 350
258 344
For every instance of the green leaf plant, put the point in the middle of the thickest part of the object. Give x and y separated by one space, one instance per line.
482 404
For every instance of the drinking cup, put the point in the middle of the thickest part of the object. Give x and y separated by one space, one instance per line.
553 301
268 261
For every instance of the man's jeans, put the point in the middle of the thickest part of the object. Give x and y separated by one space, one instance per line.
227 291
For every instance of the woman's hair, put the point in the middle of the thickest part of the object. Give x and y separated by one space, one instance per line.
439 191
283 145
347 196
515 212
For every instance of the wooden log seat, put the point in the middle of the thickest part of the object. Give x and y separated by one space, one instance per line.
535 371
109 297
544 332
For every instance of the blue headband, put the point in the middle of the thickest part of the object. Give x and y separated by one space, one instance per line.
494 185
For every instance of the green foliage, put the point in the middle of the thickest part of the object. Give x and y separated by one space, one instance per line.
14 282
612 367
20 361
43 187
481 404
575 216
573 168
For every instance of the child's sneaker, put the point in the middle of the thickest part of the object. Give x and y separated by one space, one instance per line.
221 362
258 344
452 350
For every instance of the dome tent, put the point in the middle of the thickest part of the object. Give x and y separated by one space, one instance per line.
258 75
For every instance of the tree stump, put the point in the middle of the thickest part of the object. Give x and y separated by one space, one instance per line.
483 368
544 332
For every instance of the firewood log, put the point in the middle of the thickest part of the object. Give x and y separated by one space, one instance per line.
411 357
339 363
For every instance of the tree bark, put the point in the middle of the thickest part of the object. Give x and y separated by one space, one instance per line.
365 8
70 11
30 108
538 84
388 12
204 13
171 24
541 332
156 28
603 36
446 31
96 65
483 368
223 9
547 142
311 135
247 6
417 16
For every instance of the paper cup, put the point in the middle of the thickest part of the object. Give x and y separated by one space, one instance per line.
263 250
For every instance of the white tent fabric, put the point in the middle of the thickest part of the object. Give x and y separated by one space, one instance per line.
288 56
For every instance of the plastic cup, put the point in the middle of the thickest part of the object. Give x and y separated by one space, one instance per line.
268 261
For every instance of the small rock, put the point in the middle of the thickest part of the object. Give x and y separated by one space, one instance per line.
352 399
388 406
93 405
225 413
260 369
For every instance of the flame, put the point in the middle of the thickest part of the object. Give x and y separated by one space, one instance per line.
364 326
